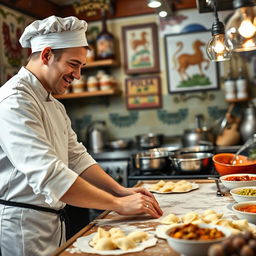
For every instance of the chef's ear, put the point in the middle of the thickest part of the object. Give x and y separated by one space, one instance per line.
46 54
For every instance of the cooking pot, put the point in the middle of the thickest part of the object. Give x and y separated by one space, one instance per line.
192 162
149 140
150 160
197 149
197 136
170 150
120 143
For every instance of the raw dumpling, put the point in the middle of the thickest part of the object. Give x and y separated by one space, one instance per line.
104 244
166 188
101 233
182 187
116 233
189 217
208 212
125 243
170 219
241 224
138 236
157 186
181 182
198 221
212 217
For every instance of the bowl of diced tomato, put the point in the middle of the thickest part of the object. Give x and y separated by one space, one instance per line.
232 181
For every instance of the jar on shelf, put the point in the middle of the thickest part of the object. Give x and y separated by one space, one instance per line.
230 87
105 82
92 84
78 85
241 86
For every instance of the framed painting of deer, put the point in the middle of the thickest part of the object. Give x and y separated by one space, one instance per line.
140 45
187 65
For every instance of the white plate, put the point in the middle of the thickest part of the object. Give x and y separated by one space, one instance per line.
194 186
82 243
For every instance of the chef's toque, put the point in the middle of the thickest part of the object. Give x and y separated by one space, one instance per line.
54 32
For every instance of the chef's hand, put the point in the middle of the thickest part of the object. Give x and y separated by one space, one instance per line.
138 203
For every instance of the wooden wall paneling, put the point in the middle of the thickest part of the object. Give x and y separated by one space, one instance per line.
36 8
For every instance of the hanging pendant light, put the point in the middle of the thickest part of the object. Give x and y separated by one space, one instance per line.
241 27
154 3
218 48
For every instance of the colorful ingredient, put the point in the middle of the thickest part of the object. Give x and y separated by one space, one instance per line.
241 178
247 192
247 208
194 232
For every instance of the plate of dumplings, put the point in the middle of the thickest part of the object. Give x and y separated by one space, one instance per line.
169 187
115 241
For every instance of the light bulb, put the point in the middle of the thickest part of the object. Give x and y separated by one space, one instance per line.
241 27
218 48
163 14
247 29
154 3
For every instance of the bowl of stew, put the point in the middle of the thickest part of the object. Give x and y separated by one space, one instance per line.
195 239
246 210
225 163
232 181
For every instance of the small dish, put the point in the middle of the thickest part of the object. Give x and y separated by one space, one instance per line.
241 214
242 198
195 247
230 184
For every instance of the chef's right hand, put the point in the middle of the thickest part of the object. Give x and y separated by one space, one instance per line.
137 204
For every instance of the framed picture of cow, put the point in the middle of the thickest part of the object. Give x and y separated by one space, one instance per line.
187 65
140 45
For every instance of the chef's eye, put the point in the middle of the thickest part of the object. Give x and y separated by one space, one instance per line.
74 65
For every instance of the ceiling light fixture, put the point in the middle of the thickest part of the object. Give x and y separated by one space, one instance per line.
154 3
241 27
218 48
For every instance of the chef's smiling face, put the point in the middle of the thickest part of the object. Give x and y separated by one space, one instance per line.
63 67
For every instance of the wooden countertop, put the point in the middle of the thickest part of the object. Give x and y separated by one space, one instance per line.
197 200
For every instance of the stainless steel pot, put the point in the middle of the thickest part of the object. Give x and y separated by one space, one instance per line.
120 144
197 149
191 162
170 150
149 140
150 160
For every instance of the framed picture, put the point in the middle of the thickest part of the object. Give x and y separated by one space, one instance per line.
187 65
140 44
143 92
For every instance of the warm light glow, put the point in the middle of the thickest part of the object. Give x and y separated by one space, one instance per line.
162 14
154 4
218 48
246 29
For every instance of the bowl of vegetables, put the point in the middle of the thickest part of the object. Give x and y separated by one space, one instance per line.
231 181
244 194
246 210
195 239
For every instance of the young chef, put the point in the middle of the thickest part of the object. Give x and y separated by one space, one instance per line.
43 167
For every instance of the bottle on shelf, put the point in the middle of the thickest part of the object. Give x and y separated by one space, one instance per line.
105 42
241 85
230 87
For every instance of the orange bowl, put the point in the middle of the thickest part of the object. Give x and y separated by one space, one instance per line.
222 164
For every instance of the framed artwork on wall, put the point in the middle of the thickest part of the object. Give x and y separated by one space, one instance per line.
140 44
143 92
188 68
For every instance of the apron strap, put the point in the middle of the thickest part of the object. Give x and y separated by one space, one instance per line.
62 213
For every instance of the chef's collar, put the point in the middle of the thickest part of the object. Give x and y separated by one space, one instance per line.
36 85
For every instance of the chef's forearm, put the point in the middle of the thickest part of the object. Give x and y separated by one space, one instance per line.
99 178
83 194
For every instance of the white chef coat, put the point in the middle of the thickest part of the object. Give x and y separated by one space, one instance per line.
40 159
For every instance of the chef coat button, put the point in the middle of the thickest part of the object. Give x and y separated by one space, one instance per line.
65 132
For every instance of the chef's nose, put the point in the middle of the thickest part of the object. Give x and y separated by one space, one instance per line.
76 73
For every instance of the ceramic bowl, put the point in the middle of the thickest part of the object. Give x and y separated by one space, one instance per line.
242 198
222 164
195 247
251 217
230 184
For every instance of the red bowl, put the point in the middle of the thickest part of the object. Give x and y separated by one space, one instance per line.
223 166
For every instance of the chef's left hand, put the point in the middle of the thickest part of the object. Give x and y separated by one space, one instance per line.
144 191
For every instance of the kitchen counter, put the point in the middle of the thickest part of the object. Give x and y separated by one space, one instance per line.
197 200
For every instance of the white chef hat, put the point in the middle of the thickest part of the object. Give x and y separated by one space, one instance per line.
54 32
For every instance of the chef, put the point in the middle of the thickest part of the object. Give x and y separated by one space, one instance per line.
42 165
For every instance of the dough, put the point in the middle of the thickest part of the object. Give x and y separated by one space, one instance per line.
138 236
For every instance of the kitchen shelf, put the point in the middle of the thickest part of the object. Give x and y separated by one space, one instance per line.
105 63
88 94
